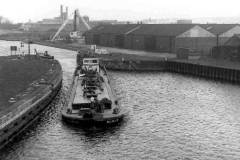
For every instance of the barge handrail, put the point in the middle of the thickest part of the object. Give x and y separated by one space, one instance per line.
70 90
109 82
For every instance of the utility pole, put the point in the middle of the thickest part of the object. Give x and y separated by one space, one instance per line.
29 47
217 40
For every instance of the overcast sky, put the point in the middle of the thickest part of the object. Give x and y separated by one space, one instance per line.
23 10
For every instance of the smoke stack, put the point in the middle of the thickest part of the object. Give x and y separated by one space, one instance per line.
66 12
75 21
61 10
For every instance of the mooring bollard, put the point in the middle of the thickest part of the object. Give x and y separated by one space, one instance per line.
193 67
214 73
217 73
238 76
235 76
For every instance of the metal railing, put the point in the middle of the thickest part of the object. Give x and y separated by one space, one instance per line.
15 112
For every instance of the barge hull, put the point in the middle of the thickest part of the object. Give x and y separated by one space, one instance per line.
91 122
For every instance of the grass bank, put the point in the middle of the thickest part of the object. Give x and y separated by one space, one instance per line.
17 75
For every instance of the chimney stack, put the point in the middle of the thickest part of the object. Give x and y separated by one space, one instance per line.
75 21
61 12
66 13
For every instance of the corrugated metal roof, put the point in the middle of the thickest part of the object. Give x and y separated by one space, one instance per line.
143 29
163 29
112 29
218 28
158 29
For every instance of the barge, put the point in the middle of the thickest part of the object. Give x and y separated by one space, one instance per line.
92 102
28 108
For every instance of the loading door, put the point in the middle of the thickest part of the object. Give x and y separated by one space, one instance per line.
150 43
119 41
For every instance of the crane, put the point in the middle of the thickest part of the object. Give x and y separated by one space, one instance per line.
74 33
77 34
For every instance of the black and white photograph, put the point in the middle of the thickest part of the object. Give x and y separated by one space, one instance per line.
119 80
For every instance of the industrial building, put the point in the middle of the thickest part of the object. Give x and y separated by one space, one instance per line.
233 41
198 38
53 24
229 50
222 31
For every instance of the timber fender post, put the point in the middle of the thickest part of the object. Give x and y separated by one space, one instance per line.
210 72
181 67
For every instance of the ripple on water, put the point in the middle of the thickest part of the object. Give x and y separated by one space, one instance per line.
171 117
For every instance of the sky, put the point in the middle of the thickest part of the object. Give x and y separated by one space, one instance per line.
126 10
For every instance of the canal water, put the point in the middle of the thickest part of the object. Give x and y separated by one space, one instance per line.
172 117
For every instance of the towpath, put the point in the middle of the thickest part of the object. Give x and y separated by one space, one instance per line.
139 53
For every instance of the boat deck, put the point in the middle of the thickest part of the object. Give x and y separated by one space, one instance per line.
76 96
79 98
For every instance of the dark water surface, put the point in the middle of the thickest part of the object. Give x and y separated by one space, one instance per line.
171 117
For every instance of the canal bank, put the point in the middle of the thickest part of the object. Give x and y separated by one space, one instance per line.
216 70
174 116
209 68
58 45
28 85
222 71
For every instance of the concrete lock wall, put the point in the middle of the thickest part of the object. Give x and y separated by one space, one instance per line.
197 45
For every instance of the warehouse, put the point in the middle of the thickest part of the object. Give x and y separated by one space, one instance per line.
108 35
198 38
156 37
230 50
150 37
222 31
233 41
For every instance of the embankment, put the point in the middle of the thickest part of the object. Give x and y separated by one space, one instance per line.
216 70
219 71
28 85
58 45
135 65
207 68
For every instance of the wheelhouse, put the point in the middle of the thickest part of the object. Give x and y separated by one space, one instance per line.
91 64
